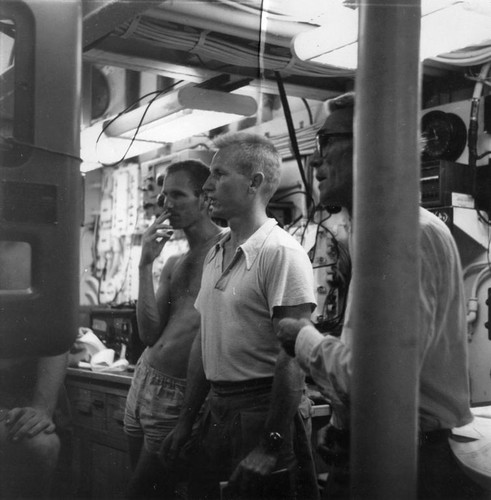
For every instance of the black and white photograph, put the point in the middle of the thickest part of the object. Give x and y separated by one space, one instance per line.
245 249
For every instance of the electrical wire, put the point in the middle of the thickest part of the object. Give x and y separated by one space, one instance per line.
113 164
309 111
303 225
484 220
136 139
156 94
286 195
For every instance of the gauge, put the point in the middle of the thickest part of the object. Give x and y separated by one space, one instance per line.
444 136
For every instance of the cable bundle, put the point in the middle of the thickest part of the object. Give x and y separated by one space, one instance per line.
223 48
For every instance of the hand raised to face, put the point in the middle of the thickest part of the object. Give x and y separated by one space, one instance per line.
155 237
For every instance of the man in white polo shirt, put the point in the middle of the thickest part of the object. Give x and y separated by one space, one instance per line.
256 275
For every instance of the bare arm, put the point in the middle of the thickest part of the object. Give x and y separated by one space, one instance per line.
36 418
197 388
50 376
153 307
289 380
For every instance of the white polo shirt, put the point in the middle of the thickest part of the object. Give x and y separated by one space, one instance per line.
270 269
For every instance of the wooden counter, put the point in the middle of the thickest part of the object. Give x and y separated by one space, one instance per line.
101 462
100 451
123 378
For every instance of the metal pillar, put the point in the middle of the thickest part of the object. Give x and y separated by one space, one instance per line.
386 266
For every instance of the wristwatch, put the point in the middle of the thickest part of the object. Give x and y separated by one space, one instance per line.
273 441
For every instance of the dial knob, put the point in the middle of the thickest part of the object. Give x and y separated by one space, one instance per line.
444 136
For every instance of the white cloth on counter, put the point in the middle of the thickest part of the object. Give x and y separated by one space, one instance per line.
89 352
103 361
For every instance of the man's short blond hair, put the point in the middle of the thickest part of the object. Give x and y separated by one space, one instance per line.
252 153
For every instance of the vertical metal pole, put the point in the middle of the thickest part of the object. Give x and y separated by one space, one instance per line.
386 276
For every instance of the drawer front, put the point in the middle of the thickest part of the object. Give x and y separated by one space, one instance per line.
115 413
88 408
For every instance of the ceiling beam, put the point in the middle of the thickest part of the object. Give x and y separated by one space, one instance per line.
141 56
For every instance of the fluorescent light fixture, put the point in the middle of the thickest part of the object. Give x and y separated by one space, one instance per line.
177 115
339 30
446 25
183 113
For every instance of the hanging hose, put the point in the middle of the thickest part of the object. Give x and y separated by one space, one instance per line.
293 137
473 123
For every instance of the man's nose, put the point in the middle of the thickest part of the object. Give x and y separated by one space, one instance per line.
207 186
316 160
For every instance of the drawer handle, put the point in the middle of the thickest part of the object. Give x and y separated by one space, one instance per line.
118 417
84 410
97 403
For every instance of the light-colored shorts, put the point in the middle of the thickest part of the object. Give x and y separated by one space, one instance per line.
153 405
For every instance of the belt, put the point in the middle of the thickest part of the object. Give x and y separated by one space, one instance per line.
243 387
433 437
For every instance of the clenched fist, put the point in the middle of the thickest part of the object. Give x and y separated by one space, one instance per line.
287 333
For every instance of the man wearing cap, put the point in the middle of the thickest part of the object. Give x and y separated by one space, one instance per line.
443 364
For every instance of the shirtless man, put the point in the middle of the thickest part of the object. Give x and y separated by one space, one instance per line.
167 323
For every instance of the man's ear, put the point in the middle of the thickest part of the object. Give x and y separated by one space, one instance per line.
257 181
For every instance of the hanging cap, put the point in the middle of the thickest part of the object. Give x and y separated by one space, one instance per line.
340 118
